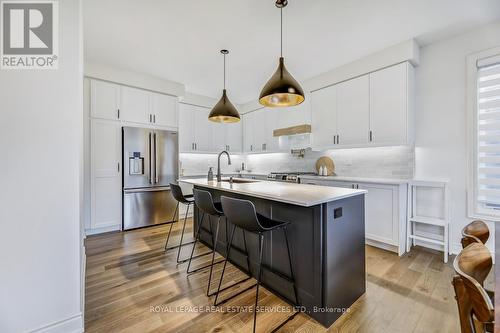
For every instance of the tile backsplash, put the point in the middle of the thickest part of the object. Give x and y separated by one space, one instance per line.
376 162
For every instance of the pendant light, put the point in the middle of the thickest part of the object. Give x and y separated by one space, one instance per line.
224 111
281 89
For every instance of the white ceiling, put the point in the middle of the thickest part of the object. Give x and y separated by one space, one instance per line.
180 40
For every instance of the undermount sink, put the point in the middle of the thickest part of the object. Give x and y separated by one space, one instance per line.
239 180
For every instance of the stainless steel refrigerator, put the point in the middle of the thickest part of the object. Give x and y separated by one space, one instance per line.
150 160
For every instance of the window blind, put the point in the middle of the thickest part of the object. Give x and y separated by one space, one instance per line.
488 140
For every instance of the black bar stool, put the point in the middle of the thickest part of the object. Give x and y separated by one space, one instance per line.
204 202
242 214
184 199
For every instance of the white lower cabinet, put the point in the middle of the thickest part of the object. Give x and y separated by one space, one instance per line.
105 187
385 212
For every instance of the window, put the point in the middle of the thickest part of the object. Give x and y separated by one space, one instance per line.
484 187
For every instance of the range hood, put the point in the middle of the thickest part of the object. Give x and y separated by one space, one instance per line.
294 137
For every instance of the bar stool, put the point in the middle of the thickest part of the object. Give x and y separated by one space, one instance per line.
242 214
184 199
204 202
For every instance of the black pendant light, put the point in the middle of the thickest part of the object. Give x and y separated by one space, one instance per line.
281 89
224 111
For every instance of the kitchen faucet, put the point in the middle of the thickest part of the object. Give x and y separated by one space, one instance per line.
219 175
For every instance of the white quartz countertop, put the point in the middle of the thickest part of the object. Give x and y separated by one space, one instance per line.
296 194
391 181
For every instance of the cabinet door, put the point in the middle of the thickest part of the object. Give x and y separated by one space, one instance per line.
271 123
134 105
234 137
106 183
164 109
388 101
248 132
186 128
218 136
381 217
202 130
259 130
324 117
353 111
104 100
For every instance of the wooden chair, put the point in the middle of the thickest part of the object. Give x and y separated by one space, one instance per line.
475 232
475 305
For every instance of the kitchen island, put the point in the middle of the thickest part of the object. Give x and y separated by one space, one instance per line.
327 239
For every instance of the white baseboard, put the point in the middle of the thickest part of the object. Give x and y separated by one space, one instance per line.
380 245
73 324
95 231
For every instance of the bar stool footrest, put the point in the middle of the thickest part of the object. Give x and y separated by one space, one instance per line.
196 256
237 294
230 286
203 267
176 246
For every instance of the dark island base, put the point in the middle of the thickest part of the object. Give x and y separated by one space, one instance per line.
327 243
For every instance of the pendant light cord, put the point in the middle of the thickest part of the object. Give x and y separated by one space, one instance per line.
281 49
224 71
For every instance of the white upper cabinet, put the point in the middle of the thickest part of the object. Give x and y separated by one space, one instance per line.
164 110
203 130
353 111
116 102
219 136
324 117
272 116
134 105
388 105
105 99
234 137
371 110
248 136
186 127
198 134
258 130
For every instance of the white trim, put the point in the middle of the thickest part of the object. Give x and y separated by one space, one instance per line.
73 324
102 230
471 104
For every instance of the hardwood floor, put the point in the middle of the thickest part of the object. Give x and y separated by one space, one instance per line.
132 286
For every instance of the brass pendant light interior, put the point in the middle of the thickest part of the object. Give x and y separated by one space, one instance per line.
224 111
281 89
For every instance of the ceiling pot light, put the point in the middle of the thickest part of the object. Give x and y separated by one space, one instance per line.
281 89
224 111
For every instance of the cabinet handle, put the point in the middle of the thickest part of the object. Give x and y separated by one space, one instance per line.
118 164
371 136
154 118
192 146
118 113
264 146
338 139
149 117
334 139
195 146
251 147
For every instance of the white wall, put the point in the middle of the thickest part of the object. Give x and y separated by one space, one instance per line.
40 141
441 147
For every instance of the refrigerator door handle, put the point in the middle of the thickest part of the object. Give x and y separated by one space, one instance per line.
150 161
156 157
